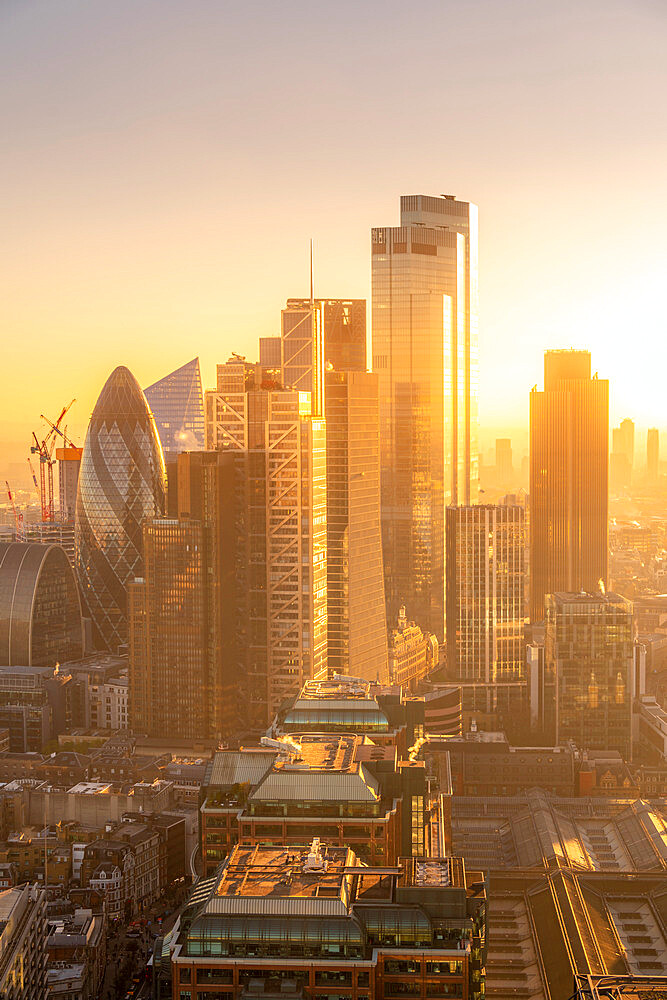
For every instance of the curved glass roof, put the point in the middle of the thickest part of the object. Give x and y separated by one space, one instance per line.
365 720
215 935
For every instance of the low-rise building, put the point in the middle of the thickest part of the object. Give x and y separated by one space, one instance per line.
77 939
288 921
345 788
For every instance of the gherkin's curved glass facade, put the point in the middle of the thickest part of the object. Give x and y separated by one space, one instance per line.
121 483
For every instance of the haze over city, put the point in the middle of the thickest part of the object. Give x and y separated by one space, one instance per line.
333 526
165 167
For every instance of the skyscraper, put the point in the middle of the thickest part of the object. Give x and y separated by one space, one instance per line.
569 433
486 608
357 627
169 689
504 467
283 569
424 276
344 332
622 455
177 404
183 666
652 454
589 652
270 355
122 482
302 334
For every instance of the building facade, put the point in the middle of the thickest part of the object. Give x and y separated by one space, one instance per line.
23 943
40 611
313 923
357 628
424 277
569 461
302 334
590 654
177 403
122 482
486 607
652 454
413 654
344 332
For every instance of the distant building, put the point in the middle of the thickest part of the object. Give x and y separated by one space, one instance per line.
486 614
270 352
357 628
69 464
332 924
589 653
40 611
425 351
504 466
122 482
652 454
23 943
35 706
177 403
569 462
413 654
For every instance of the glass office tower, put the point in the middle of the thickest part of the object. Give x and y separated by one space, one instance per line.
569 466
357 627
177 403
121 483
424 276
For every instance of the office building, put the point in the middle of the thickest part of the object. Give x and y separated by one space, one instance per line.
122 482
569 462
344 332
35 705
357 628
486 609
652 454
424 277
168 669
227 405
69 463
270 353
302 335
348 788
50 533
40 611
183 671
336 704
589 652
622 456
332 924
177 404
413 653
23 943
282 534
504 467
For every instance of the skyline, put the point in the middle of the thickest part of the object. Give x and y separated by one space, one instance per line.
163 197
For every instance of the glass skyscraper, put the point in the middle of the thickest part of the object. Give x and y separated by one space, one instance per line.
122 482
177 403
569 467
424 275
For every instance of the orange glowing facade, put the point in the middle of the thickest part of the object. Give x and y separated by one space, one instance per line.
569 432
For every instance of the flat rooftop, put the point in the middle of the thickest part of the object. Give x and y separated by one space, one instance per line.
281 871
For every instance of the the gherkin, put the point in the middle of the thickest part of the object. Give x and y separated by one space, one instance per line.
121 483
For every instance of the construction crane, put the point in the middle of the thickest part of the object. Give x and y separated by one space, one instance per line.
44 449
56 427
18 515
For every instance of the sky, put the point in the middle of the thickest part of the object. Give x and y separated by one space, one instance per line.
165 162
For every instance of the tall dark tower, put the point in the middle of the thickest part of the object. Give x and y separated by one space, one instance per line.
569 467
122 482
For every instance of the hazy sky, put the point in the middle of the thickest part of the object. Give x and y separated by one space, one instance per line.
164 163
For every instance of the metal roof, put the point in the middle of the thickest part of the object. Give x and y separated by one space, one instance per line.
317 786
241 766
313 906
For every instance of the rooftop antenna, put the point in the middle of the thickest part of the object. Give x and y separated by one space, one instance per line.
312 298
